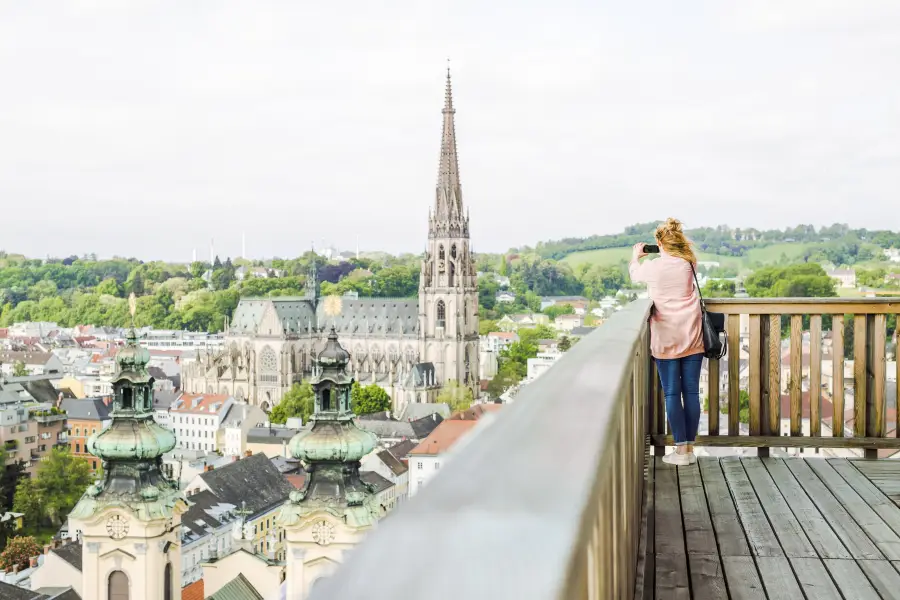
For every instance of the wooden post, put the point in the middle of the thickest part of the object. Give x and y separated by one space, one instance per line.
875 375
815 375
774 375
765 392
734 378
755 377
713 366
796 375
837 358
860 378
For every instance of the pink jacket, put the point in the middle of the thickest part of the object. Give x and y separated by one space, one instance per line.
675 329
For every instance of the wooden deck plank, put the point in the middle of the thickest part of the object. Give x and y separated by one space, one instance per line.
817 529
851 580
759 533
698 529
883 577
869 492
877 530
854 538
671 559
814 579
884 474
778 578
669 532
786 526
722 511
707 576
743 578
706 573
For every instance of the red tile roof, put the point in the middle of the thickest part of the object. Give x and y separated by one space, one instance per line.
443 437
825 412
193 591
296 480
206 400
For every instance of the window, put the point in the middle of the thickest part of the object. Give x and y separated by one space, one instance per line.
118 586
77 448
441 313
419 466
437 466
95 465
441 252
93 430
77 432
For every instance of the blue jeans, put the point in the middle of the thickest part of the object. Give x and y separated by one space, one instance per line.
680 379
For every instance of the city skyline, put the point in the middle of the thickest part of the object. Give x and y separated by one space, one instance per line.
295 124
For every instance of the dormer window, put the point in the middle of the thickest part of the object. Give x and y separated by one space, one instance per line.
127 398
326 400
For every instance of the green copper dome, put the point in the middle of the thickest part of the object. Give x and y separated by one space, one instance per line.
340 441
130 440
133 357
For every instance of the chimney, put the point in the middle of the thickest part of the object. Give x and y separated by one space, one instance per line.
33 562
208 468
248 453
15 568
47 548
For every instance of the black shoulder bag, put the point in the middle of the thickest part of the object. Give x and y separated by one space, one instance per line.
715 338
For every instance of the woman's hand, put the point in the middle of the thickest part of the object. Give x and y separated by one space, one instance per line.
637 251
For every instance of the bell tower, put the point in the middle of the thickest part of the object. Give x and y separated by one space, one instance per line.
129 521
448 286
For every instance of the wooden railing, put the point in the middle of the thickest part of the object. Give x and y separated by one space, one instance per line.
764 321
544 502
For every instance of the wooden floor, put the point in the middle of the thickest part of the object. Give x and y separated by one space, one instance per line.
751 528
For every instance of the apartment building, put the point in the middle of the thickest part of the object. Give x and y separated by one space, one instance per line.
196 419
85 417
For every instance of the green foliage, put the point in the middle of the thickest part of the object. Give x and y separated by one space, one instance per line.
556 310
458 397
19 369
18 552
743 406
531 335
793 281
299 401
486 326
507 376
109 287
565 343
61 480
368 399
719 289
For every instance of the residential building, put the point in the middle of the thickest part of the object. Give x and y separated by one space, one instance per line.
391 464
61 563
498 340
36 363
240 420
548 301
425 460
383 488
254 484
196 419
85 417
568 322
505 297
539 365
32 329
846 278
28 429
205 533
392 431
185 341
271 440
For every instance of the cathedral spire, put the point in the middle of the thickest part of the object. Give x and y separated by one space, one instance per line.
448 213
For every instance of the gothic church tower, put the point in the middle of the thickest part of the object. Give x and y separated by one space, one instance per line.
448 287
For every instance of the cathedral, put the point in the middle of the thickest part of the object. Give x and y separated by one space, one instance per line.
409 346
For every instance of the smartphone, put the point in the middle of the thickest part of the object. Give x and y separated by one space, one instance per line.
651 248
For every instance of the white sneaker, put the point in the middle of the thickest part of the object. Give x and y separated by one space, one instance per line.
692 458
679 460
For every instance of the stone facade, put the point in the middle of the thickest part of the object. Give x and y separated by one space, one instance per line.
410 347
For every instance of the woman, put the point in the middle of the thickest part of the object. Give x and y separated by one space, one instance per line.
676 340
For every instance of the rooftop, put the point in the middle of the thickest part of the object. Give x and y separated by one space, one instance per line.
232 482
199 403
443 437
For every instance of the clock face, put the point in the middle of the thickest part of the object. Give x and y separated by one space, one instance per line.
117 527
323 533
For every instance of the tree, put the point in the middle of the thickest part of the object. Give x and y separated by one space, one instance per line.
61 480
565 343
506 377
793 281
458 397
299 401
558 309
109 286
369 399
743 406
719 289
19 369
18 552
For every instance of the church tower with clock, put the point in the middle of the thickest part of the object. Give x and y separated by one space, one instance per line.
335 509
129 521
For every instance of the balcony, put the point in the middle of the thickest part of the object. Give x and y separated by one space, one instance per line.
46 417
562 497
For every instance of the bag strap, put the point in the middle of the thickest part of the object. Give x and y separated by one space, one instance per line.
697 283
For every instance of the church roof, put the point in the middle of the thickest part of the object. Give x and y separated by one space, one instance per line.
254 480
420 376
236 589
71 553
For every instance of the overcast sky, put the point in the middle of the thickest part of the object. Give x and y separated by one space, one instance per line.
147 128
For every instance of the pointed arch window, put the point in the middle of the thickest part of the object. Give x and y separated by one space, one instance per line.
441 252
466 311
453 251
441 313
118 586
